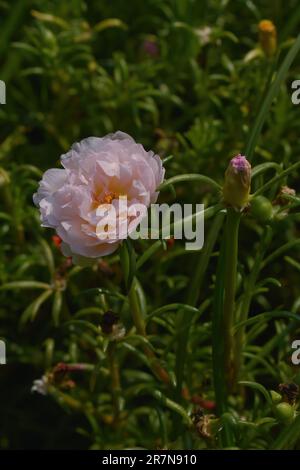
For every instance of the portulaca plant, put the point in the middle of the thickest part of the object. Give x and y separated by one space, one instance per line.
115 341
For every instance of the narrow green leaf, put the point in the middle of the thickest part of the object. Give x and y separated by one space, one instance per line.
287 246
276 179
149 252
49 18
263 167
260 388
171 307
85 323
48 256
25 285
189 177
109 23
56 307
289 436
261 317
32 310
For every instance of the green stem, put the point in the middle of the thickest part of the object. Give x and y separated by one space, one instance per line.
217 335
231 257
221 392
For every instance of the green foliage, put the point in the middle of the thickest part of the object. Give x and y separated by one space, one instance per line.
187 79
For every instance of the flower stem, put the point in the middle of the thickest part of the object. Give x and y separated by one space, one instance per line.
221 392
218 336
231 257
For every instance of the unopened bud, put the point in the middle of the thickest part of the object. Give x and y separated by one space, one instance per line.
4 177
237 182
261 209
276 397
268 37
150 47
285 412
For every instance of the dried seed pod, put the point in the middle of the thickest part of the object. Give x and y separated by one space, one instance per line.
281 200
111 325
108 321
202 423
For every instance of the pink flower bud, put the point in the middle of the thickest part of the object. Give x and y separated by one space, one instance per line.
150 47
237 182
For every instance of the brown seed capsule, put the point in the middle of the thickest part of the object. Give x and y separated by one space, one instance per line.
107 322
112 326
281 198
289 391
202 423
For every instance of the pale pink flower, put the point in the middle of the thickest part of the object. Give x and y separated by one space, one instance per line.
97 172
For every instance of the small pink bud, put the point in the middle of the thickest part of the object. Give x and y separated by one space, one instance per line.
237 182
150 47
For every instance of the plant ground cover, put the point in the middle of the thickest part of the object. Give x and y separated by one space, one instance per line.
153 346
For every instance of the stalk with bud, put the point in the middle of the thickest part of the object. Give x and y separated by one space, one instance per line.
236 192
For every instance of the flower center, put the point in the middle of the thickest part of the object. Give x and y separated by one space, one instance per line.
109 197
106 199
